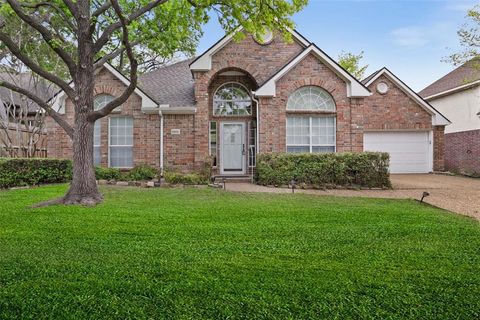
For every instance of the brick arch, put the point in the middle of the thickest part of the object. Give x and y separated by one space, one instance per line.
106 89
317 82
213 74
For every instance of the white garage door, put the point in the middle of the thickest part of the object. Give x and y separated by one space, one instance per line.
409 151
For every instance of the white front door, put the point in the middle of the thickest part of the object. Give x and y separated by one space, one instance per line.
232 158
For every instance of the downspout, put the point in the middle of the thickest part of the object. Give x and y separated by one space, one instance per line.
161 142
257 142
257 133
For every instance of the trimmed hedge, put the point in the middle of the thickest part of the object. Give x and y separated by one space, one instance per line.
102 173
184 178
142 172
324 170
17 172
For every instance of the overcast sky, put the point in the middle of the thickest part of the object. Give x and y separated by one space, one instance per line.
410 37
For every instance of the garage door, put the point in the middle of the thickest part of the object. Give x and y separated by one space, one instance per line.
409 151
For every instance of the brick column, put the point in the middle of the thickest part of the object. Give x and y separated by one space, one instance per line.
438 148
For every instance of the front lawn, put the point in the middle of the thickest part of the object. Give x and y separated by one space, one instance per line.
198 254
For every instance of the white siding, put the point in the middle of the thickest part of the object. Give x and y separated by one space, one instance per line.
461 109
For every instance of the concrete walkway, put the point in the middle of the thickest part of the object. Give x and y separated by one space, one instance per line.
453 193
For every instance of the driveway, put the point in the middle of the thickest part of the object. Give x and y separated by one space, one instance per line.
453 193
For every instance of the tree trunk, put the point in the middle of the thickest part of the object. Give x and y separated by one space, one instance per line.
83 189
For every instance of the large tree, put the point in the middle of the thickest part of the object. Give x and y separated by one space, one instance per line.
82 35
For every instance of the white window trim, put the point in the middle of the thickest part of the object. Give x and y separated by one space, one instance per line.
110 145
232 115
310 145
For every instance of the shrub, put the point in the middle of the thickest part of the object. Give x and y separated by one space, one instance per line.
184 178
102 173
16 172
367 169
142 172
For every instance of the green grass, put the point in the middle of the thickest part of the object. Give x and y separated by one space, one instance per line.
208 254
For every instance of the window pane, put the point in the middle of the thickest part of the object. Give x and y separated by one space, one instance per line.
323 149
311 98
121 142
213 142
298 149
97 155
232 99
121 157
320 135
102 100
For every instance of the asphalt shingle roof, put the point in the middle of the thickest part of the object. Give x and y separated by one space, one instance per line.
172 84
463 75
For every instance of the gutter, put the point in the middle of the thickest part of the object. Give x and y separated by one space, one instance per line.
453 90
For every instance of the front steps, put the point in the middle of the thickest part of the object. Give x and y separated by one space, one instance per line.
219 179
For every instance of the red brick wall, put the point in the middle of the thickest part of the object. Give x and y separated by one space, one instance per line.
462 152
146 136
439 148
258 61
308 72
179 149
393 110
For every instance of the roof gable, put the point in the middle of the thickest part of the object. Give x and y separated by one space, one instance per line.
147 101
438 118
353 86
204 61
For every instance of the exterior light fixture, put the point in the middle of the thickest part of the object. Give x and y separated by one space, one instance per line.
424 195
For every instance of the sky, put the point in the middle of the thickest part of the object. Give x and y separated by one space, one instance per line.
410 37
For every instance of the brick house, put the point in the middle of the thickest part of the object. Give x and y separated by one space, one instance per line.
250 96
457 96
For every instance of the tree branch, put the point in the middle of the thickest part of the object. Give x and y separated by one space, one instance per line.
72 7
103 39
46 34
17 52
110 56
53 6
133 68
42 104
100 10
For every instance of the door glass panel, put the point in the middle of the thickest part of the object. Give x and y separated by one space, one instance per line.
232 149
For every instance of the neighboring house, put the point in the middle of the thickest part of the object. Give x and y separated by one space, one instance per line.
22 132
457 96
240 98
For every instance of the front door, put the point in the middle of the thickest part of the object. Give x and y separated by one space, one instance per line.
232 158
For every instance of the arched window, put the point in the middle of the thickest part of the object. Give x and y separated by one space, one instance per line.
312 132
99 102
232 99
311 99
